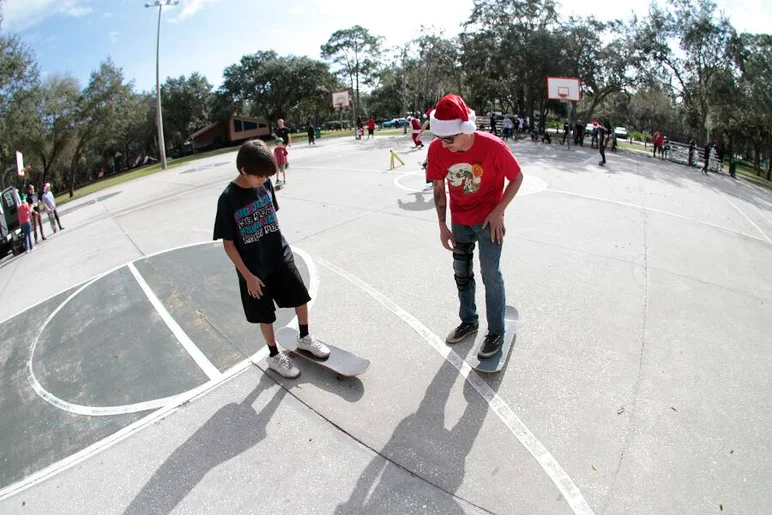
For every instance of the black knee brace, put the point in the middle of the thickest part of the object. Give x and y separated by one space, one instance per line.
464 260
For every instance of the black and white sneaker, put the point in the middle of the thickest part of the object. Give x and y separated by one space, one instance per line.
491 345
461 332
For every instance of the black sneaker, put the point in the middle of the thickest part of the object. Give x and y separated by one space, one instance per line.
461 332
491 345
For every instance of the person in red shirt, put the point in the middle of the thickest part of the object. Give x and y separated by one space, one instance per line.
416 125
23 212
280 153
371 128
475 165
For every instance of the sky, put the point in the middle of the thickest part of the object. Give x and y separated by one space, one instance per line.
74 36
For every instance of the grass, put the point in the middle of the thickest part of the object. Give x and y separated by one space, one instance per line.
750 175
151 169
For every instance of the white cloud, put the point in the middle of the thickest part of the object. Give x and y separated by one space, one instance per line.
113 35
294 10
22 14
189 8
78 11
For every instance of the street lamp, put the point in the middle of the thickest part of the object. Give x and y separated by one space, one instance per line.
161 145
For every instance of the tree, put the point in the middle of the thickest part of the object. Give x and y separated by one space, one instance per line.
53 115
651 108
265 84
515 38
705 42
356 52
18 77
430 67
103 110
186 104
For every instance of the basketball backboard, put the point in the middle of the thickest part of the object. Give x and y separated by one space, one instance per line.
563 88
340 98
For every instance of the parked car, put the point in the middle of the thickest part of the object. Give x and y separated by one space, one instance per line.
620 132
394 123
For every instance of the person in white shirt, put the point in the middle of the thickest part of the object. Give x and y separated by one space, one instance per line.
50 203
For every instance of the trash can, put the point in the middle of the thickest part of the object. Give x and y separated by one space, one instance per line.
318 133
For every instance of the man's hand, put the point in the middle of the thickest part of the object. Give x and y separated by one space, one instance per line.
254 286
446 237
496 221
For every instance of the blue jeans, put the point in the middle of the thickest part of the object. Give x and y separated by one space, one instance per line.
26 230
490 254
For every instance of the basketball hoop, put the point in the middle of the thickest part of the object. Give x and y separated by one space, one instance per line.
564 89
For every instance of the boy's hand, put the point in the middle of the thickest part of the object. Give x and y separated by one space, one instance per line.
255 286
496 221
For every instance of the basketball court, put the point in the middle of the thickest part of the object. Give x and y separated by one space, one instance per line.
638 382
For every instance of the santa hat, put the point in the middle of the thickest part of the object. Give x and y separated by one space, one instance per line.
451 116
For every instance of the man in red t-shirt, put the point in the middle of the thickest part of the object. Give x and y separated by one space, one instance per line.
475 165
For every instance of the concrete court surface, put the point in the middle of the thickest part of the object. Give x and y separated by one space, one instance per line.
639 381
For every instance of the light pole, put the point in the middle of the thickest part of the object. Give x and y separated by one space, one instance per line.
161 145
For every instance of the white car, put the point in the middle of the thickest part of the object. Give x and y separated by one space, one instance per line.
620 132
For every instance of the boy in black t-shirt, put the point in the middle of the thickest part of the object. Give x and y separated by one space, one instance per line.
247 223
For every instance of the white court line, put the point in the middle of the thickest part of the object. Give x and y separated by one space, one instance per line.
654 210
161 410
746 217
762 215
105 443
551 467
210 242
102 411
199 357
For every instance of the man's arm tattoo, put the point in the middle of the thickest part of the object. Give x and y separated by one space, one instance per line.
440 202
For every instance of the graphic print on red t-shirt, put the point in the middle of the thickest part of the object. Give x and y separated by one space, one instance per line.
475 177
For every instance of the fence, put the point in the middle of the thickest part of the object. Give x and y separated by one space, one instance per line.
681 154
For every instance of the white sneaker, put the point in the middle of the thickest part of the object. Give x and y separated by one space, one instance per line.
310 344
283 365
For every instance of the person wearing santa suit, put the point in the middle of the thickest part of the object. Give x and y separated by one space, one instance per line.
416 125
475 165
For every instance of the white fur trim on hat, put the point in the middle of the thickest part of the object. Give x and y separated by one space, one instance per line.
443 128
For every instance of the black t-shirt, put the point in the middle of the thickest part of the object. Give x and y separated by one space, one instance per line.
247 216
283 133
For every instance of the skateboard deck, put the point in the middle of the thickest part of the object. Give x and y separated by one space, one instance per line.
340 361
496 362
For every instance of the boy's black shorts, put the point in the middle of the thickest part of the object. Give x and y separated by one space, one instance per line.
284 287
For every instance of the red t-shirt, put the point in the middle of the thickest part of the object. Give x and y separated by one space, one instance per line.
475 177
23 213
416 124
280 153
371 124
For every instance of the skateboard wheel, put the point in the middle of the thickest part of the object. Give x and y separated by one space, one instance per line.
339 377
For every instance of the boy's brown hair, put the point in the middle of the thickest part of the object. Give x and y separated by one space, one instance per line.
255 158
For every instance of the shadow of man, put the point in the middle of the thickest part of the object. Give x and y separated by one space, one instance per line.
423 446
233 429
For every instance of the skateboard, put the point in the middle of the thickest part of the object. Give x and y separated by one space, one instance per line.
496 362
340 361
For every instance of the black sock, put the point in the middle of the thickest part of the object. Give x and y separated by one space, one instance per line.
303 330
273 350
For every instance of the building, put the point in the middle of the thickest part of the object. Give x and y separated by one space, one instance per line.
231 132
